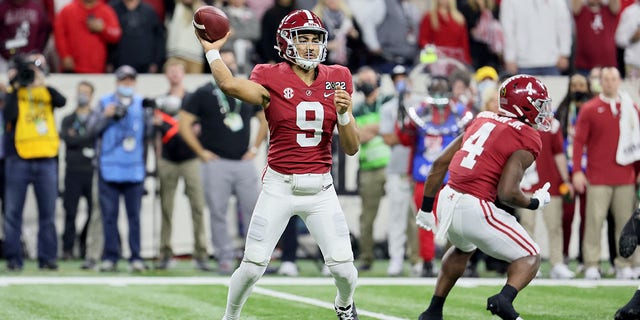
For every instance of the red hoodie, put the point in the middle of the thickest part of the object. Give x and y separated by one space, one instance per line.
73 38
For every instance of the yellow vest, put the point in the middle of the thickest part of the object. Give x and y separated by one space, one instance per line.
36 134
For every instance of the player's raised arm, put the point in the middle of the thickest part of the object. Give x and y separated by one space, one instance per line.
349 140
240 88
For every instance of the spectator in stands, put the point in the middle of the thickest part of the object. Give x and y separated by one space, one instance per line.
31 158
268 27
83 29
142 43
396 33
401 227
122 131
485 32
595 22
486 78
578 92
336 16
461 90
79 140
609 180
445 27
259 7
246 31
24 28
628 37
176 160
550 166
537 36
180 44
227 157
374 156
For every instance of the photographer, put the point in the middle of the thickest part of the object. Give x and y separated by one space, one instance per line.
121 163
31 158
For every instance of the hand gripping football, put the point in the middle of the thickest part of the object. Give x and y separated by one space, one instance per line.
211 23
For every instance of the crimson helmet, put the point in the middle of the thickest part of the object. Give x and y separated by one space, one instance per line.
295 23
525 98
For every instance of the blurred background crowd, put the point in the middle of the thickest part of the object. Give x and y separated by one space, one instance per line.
101 150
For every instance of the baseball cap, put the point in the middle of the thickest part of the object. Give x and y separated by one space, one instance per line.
126 71
398 70
486 72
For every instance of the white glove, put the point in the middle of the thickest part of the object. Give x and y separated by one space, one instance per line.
542 195
425 220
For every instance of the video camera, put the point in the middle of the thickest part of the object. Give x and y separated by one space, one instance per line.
123 103
25 73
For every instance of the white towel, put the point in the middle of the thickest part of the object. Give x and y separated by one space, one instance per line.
629 141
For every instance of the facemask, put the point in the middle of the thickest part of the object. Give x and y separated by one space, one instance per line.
83 100
579 96
125 91
82 117
366 88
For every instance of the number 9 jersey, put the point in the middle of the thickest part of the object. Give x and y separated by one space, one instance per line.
301 117
487 144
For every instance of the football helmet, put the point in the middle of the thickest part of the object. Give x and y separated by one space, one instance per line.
525 98
295 23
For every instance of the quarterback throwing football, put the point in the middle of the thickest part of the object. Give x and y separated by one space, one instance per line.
489 160
303 102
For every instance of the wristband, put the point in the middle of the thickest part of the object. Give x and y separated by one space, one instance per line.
343 119
534 204
212 55
427 204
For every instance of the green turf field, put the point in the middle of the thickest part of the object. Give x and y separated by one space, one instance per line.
183 293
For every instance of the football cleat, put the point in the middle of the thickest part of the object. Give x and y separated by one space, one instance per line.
426 315
347 313
629 235
628 312
500 306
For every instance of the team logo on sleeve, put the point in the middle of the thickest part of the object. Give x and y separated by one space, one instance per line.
288 93
333 85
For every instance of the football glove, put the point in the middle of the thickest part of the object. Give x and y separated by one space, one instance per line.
425 220
542 195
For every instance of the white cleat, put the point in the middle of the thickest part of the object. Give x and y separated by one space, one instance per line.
561 271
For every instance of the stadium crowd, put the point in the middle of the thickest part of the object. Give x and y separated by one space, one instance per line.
202 135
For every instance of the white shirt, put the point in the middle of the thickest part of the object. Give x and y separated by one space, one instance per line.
536 32
627 27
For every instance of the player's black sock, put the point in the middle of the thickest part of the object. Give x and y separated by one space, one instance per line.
509 292
435 307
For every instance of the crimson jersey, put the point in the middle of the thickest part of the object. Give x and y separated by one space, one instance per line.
301 118
487 144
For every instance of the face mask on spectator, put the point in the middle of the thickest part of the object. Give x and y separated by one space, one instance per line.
366 88
579 96
125 91
83 100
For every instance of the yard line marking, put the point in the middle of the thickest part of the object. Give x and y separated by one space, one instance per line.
317 281
319 303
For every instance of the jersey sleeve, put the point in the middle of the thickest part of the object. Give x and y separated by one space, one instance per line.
531 141
257 74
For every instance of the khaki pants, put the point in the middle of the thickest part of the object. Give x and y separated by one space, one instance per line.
552 215
599 199
169 173
371 188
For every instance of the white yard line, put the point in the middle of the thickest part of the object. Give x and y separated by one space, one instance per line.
319 303
279 281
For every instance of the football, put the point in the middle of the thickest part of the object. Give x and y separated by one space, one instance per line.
211 23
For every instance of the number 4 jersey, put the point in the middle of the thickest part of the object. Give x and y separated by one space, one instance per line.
301 117
487 144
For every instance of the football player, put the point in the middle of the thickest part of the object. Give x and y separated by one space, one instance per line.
486 161
628 243
303 101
